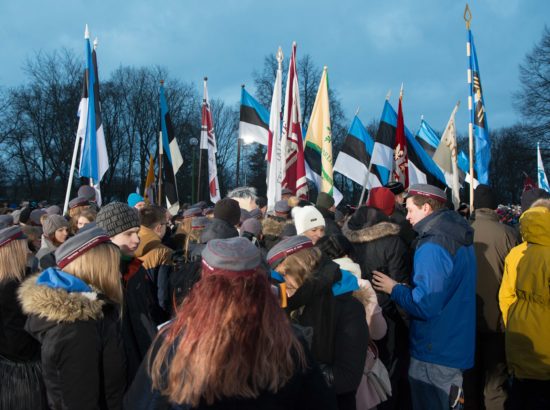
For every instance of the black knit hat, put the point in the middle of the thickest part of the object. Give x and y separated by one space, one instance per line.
79 244
228 210
484 198
234 254
395 187
117 217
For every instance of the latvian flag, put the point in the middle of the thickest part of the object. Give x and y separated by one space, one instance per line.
208 142
354 157
94 161
171 156
254 120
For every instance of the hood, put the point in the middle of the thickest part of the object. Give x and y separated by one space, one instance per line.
445 224
370 233
535 225
149 240
273 226
56 302
218 229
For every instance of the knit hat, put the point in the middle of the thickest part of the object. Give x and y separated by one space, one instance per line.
234 254
53 210
530 196
53 223
79 244
134 199
78 201
24 215
192 212
228 209
36 214
383 199
286 248
252 226
428 191
307 218
11 233
117 217
484 197
87 192
324 200
395 187
282 206
5 221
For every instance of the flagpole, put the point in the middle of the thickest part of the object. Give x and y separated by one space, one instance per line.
159 194
388 95
70 183
238 153
468 19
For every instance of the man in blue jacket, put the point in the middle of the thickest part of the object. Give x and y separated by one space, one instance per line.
440 301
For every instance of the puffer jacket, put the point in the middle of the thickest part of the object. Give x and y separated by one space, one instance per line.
83 361
524 298
157 261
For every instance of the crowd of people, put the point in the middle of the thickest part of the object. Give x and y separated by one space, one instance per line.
402 303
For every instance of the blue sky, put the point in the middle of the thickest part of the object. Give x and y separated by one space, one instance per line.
369 46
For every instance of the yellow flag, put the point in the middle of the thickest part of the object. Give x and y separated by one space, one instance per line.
149 182
318 149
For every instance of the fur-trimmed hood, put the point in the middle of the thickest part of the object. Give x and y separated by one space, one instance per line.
273 226
58 305
370 233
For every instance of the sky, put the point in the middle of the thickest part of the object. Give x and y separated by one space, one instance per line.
369 46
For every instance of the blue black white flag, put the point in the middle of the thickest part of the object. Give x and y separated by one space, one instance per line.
254 120
384 141
542 179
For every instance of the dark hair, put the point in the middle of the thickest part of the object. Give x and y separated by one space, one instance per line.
334 246
261 201
151 216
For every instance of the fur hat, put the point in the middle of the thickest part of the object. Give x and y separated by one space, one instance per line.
11 233
228 210
307 218
286 248
117 217
324 200
383 199
484 198
234 254
87 192
79 244
53 223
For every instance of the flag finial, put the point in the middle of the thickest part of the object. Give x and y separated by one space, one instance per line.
279 56
401 92
205 78
357 111
388 95
242 85
86 32
96 42
467 16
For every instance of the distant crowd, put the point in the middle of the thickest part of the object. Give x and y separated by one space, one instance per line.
401 303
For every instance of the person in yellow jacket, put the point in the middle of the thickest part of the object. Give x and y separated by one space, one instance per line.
524 299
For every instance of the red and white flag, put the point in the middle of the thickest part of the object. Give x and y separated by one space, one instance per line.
401 164
208 141
292 143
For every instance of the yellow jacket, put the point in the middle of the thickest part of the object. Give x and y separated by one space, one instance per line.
524 298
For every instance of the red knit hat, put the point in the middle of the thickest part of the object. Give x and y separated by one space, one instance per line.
383 199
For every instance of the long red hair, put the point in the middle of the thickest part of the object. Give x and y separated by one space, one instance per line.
229 338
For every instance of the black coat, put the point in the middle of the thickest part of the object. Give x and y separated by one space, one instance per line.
378 246
340 330
331 227
305 391
83 360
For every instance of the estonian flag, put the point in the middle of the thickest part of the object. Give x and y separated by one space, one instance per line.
427 137
384 142
354 157
254 120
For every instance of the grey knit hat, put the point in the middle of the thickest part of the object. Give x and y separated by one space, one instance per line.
11 233
117 217
52 223
79 244
53 210
234 254
286 248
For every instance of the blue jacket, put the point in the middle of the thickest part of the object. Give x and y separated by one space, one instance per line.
442 298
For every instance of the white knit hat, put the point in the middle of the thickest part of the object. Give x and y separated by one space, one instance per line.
307 218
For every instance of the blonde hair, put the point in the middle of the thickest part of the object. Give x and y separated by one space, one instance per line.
13 260
99 267
300 265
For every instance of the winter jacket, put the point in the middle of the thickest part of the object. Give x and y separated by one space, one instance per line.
492 242
525 298
441 299
399 217
45 255
306 390
377 246
83 361
157 261
331 227
340 331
